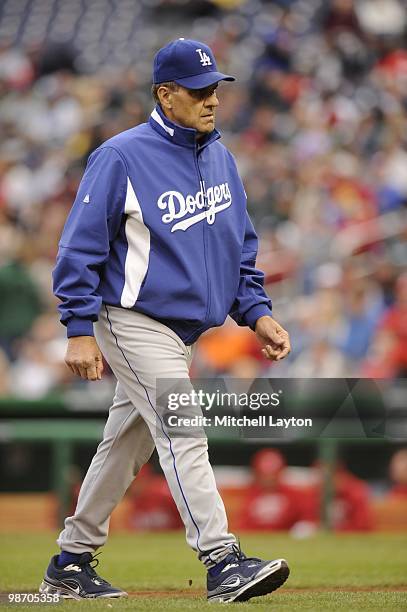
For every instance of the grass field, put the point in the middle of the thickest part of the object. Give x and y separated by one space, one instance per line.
349 572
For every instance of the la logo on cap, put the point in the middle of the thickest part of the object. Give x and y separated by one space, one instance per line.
205 59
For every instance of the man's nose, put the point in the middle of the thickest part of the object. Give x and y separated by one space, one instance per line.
212 100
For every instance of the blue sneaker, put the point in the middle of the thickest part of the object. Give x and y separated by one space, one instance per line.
245 577
77 580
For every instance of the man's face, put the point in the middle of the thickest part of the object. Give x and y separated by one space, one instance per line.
192 108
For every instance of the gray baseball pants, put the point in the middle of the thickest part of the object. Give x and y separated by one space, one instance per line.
139 350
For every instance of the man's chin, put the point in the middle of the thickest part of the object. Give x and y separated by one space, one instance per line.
207 128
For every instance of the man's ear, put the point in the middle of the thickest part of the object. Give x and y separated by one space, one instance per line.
165 96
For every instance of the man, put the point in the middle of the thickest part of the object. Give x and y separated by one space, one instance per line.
157 249
270 503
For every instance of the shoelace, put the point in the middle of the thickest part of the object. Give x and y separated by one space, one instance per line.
90 569
237 551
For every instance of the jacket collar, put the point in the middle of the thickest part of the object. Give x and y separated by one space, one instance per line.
173 132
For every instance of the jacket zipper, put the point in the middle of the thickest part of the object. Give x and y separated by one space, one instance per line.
202 187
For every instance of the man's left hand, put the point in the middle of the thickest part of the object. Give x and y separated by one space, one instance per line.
274 338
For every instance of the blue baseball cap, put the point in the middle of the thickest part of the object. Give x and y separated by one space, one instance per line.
189 63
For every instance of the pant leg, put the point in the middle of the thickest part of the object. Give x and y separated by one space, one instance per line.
140 350
127 444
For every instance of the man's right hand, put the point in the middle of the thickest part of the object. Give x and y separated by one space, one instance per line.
84 358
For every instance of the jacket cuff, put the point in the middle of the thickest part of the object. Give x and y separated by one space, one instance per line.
79 327
255 312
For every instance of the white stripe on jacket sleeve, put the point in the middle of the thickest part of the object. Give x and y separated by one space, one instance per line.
138 252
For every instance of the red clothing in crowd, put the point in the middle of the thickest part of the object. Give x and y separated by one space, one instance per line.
399 491
350 510
351 506
271 510
395 320
153 508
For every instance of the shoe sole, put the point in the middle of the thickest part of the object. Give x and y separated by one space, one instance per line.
265 583
65 592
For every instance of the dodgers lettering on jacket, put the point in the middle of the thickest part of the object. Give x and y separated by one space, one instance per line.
159 225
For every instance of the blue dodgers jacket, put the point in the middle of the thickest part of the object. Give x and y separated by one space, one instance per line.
159 225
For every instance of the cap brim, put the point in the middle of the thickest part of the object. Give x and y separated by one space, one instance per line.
199 81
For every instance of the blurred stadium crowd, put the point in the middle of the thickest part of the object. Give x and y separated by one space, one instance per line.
275 496
317 121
